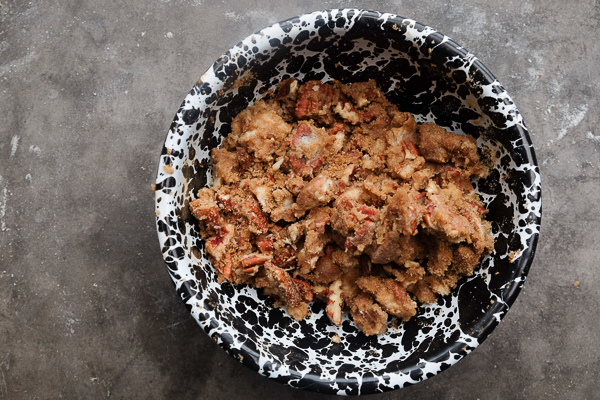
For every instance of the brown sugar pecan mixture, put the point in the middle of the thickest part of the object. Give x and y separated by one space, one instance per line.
328 192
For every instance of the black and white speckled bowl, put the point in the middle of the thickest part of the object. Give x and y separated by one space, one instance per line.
423 72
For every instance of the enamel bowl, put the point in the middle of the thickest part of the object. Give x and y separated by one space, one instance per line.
420 70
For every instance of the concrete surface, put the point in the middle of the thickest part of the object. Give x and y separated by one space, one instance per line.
87 92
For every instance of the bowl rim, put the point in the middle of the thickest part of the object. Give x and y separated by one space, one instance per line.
525 260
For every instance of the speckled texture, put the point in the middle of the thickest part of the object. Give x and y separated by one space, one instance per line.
88 90
423 72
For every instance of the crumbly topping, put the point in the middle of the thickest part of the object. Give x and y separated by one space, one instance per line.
328 192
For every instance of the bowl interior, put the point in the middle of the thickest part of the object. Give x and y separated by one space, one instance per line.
420 70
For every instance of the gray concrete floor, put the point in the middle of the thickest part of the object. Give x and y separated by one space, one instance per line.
87 92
